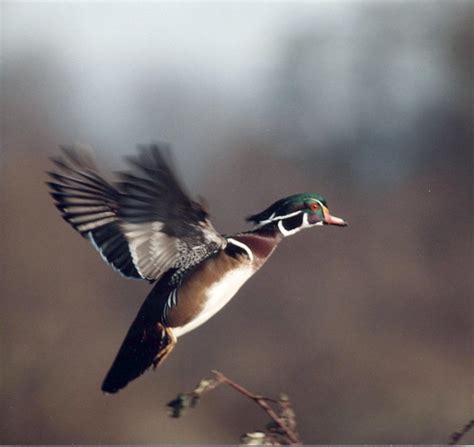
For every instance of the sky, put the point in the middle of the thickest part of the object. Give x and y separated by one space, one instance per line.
323 75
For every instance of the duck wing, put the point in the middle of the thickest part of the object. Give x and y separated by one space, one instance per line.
142 225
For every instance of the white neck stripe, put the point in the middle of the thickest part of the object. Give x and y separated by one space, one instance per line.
241 245
285 232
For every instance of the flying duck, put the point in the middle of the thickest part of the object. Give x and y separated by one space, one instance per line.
145 226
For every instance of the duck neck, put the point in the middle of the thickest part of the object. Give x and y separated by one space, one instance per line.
261 241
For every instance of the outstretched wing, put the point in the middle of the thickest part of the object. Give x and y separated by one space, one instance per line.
142 225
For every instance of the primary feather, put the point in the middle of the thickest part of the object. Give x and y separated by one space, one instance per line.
144 224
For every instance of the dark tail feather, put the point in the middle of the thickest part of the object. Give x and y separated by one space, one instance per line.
144 345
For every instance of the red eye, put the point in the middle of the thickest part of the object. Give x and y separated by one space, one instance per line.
314 206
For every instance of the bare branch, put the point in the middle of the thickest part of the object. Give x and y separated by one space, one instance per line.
457 435
281 429
260 401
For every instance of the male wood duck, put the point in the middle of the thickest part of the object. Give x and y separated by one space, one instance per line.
146 227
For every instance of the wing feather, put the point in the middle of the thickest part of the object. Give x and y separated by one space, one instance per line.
143 225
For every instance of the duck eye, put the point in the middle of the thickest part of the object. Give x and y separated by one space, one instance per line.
314 206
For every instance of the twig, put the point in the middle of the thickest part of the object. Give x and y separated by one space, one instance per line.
457 435
260 401
281 429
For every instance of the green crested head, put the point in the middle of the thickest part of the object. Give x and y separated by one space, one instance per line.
296 212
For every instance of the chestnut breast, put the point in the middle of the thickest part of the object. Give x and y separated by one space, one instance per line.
261 245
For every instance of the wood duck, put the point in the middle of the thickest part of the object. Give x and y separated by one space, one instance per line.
146 227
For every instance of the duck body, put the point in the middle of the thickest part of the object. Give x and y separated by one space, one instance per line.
146 227
210 285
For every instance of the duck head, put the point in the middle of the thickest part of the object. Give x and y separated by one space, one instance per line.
295 213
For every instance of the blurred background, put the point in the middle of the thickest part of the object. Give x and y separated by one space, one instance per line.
368 329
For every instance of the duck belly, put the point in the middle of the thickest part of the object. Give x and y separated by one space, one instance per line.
215 297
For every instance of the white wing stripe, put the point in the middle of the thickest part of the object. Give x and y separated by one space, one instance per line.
96 224
152 252
84 218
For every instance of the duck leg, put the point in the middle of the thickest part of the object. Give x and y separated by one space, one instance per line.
167 344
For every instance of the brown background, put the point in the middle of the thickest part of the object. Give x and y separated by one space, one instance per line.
368 329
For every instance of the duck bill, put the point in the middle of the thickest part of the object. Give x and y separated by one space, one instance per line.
333 220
